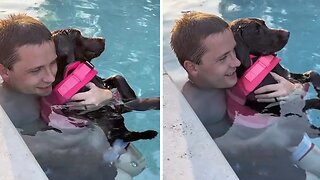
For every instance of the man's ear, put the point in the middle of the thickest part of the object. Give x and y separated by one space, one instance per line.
190 67
4 72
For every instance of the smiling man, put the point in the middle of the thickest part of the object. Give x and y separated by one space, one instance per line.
28 68
217 66
204 46
35 71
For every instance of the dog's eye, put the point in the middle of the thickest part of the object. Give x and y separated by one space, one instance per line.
257 29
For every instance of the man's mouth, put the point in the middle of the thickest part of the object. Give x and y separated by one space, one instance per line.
231 73
45 87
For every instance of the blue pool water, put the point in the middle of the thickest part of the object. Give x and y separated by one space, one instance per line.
132 31
301 54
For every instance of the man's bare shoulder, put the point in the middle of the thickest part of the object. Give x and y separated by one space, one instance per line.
21 109
208 104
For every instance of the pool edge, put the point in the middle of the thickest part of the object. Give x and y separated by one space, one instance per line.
14 153
189 152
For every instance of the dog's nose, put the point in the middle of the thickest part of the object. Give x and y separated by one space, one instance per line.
100 40
103 40
284 34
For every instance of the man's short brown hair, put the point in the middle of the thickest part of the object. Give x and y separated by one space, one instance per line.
189 32
16 31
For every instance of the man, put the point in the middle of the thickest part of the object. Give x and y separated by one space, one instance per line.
204 46
28 68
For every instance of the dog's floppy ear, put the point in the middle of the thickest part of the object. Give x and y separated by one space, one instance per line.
242 50
65 53
64 47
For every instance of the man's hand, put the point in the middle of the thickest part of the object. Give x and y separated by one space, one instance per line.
94 98
280 91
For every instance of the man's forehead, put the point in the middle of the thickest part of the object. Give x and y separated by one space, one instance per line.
220 41
223 35
33 55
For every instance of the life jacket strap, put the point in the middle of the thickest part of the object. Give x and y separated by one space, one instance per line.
82 74
237 95
257 72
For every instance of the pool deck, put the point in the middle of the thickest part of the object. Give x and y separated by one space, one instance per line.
189 152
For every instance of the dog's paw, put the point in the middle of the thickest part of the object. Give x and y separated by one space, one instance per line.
150 134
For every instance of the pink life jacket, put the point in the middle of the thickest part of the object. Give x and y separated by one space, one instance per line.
83 72
236 96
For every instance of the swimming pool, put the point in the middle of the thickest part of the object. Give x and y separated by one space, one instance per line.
132 30
300 54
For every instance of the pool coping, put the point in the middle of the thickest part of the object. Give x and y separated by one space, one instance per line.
189 152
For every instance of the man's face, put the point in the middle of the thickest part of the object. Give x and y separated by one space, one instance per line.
218 64
35 70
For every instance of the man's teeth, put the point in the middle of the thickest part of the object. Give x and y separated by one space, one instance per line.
230 74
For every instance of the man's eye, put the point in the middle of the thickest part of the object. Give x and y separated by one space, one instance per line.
53 62
222 58
35 70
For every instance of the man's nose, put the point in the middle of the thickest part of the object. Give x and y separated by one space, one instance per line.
49 76
235 62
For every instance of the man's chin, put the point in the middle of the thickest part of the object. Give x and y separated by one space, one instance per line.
44 92
231 82
230 85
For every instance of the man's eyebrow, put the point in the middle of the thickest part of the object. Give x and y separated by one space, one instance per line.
226 53
55 59
223 55
33 68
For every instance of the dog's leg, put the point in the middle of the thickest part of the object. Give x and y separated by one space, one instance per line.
143 104
302 78
315 80
114 128
129 136
311 104
310 76
134 136
123 87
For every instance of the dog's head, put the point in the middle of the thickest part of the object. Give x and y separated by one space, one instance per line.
254 37
72 46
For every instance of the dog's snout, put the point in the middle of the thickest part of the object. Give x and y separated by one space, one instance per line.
285 33
102 40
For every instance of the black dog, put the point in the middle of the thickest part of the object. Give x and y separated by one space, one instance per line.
72 46
254 37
